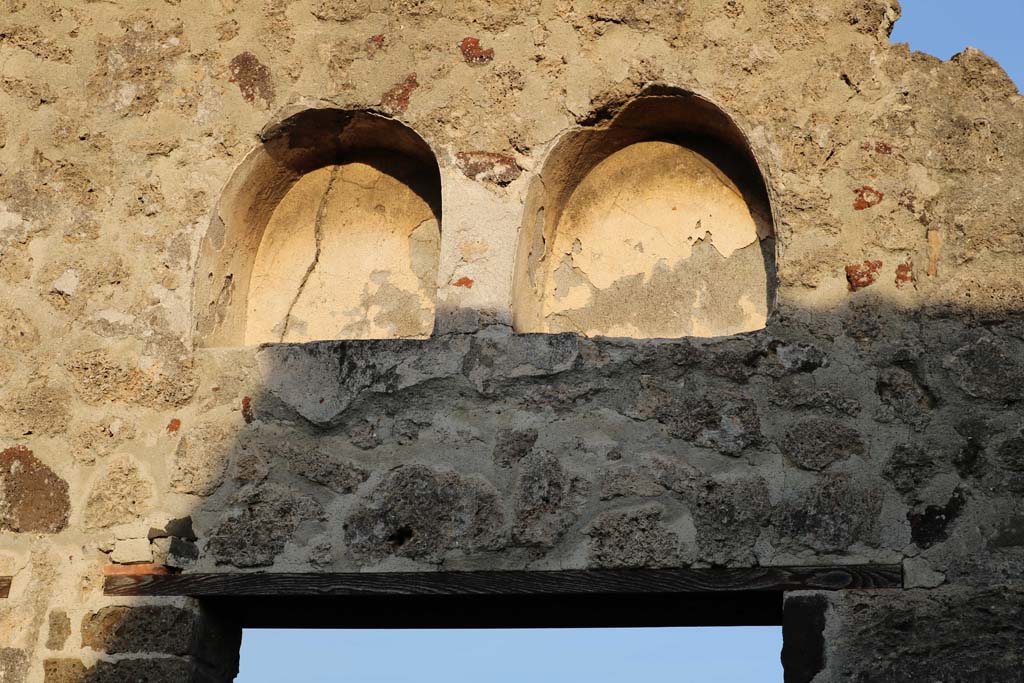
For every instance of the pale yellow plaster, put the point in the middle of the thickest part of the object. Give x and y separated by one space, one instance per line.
638 215
349 253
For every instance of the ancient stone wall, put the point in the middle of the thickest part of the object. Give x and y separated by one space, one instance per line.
169 196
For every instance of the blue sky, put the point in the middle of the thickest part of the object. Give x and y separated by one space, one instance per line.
681 655
700 655
945 27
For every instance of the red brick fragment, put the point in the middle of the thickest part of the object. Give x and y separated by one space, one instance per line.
137 569
247 410
905 274
473 53
464 282
492 167
861 275
173 426
252 77
878 147
374 44
396 100
867 197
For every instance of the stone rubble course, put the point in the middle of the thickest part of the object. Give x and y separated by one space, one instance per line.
863 407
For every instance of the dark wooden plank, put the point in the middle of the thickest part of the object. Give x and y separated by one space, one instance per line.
600 598
591 610
5 586
573 582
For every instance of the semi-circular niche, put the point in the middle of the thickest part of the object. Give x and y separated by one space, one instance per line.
329 230
655 224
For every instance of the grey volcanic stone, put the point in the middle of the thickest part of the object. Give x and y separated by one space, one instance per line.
722 421
512 444
260 522
904 397
146 670
942 634
910 466
319 381
632 538
815 443
830 516
729 515
422 513
991 368
546 499
147 628
624 481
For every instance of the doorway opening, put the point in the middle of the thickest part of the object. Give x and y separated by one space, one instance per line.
736 654
767 604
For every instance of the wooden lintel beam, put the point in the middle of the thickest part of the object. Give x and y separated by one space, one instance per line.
498 583
5 586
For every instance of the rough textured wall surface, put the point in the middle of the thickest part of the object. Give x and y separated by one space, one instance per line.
876 418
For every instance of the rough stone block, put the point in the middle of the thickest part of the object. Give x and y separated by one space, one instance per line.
944 634
633 538
830 516
201 458
59 630
32 497
815 443
116 630
911 466
723 421
146 670
904 397
512 444
119 494
729 515
132 551
174 552
423 514
13 665
546 500
258 524
919 573
991 368
490 167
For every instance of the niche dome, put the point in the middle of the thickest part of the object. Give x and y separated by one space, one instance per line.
330 231
656 226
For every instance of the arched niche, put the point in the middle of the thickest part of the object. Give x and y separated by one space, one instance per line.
330 229
655 223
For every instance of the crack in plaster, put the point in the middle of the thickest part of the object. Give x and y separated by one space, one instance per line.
318 235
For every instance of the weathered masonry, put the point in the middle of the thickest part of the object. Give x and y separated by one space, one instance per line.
559 312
